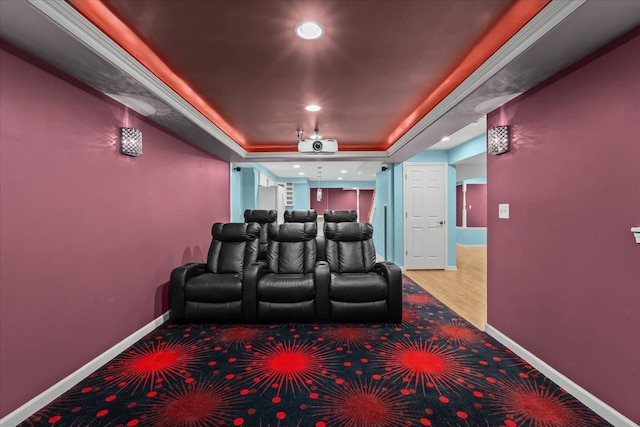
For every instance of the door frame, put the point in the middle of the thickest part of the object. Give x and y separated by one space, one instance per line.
446 207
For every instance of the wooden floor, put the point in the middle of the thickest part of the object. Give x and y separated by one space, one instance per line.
464 290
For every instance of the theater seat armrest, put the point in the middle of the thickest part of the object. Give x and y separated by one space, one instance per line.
393 274
180 276
320 248
251 275
256 270
322 277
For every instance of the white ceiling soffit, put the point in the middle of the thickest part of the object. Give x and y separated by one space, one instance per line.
69 42
560 35
467 133
590 26
324 171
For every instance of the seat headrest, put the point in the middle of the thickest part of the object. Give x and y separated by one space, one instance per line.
340 216
301 216
348 231
235 231
260 216
293 232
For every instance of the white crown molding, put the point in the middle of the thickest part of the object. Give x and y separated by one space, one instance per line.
65 16
554 13
43 399
591 401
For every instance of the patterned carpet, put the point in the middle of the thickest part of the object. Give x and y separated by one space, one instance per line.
434 369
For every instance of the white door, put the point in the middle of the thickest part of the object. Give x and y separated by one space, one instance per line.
425 215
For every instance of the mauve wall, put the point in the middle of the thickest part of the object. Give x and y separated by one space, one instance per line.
333 198
476 205
564 270
459 205
319 206
89 236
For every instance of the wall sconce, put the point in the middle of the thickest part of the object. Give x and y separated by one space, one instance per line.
131 141
498 140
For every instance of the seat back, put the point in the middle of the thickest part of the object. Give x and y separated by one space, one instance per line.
292 248
349 247
340 216
301 216
264 218
234 246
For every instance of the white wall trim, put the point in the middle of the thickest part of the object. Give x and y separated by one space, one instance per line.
554 13
451 268
62 386
471 246
591 401
82 29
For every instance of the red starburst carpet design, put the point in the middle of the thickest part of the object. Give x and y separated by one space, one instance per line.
433 369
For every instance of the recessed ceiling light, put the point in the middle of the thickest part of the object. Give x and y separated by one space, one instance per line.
445 138
313 107
296 166
300 173
343 171
309 30
339 177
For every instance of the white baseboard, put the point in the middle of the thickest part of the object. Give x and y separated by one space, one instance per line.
588 399
471 246
44 398
451 267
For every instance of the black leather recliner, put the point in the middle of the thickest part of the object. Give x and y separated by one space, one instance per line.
360 290
301 215
340 216
292 287
220 290
264 218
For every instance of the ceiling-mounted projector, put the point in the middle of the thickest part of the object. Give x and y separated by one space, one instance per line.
326 146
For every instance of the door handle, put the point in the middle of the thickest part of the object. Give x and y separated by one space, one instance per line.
440 222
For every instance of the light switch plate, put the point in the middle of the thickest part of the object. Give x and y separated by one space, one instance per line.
503 210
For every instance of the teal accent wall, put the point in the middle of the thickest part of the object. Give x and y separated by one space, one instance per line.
381 198
301 188
471 236
473 147
451 216
249 188
397 216
235 184
387 193
430 156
